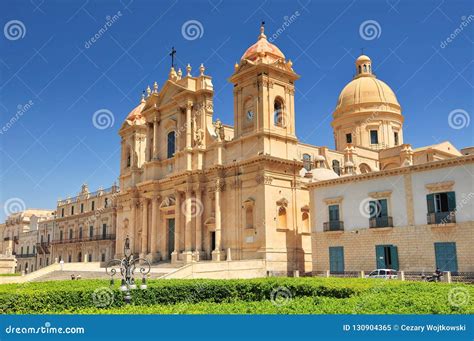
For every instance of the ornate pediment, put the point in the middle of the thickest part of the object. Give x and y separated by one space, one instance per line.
445 186
168 202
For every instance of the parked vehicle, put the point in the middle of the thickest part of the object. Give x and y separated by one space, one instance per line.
436 277
383 273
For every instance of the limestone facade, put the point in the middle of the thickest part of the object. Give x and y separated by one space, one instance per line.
193 188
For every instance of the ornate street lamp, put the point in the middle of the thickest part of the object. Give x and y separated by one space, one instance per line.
127 267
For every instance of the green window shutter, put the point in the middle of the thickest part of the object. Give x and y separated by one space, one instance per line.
394 254
451 201
430 203
446 257
334 213
380 257
383 208
373 210
336 259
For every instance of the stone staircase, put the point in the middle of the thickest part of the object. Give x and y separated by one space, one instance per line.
66 275
54 272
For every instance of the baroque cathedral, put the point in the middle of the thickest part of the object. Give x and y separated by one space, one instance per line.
194 189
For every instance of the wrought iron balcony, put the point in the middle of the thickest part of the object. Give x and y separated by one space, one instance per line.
335 225
85 239
43 247
380 222
441 217
26 255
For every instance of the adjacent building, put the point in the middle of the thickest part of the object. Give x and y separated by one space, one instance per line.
85 226
416 218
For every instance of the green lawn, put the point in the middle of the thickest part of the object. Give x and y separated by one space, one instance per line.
255 296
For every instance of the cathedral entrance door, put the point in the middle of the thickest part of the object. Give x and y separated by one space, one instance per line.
213 241
170 236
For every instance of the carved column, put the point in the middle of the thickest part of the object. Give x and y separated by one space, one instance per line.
155 138
144 246
132 225
188 226
177 226
216 254
154 229
199 220
189 135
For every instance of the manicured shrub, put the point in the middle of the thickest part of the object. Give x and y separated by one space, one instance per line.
300 296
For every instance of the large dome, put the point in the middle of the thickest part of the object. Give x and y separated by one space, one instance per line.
263 50
365 90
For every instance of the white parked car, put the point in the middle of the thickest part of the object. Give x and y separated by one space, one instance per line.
383 273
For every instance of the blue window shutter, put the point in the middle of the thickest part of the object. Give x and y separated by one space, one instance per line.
394 254
430 203
380 257
451 201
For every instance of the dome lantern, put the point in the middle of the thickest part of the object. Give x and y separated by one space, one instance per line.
363 66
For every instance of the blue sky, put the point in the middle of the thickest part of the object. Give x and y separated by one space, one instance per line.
58 82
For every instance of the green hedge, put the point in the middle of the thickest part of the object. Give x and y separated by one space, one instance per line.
307 295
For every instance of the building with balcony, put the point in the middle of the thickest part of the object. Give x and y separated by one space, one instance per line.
85 227
44 245
415 218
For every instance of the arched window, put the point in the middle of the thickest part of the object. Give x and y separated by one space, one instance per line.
336 167
360 69
307 162
70 234
79 257
365 68
370 69
364 168
80 232
171 144
278 116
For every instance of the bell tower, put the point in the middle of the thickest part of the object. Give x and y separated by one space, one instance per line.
264 91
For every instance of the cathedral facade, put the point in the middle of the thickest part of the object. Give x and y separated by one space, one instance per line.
194 189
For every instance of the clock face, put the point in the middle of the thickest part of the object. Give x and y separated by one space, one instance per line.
250 115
